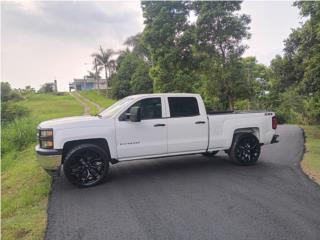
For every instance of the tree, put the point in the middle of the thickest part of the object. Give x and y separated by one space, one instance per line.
168 39
132 76
7 93
219 35
140 80
295 85
92 75
302 48
103 59
46 88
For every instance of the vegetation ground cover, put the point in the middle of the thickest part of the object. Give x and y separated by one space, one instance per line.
98 97
25 186
311 159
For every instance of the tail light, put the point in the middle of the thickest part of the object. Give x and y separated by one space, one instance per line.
274 122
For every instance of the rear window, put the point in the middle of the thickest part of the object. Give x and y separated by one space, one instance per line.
183 106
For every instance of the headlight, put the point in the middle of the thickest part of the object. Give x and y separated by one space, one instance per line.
46 144
46 133
46 138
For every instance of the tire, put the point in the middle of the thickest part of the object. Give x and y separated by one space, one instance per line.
210 154
245 149
86 165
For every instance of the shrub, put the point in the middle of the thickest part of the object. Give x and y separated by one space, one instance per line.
7 93
10 111
312 108
242 105
18 134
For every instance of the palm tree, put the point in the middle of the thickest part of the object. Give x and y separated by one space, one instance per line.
103 58
92 75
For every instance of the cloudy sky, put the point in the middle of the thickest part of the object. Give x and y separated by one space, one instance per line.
41 41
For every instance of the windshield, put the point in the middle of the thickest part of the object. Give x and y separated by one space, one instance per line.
113 109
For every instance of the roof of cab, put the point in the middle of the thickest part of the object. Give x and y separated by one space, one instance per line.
163 94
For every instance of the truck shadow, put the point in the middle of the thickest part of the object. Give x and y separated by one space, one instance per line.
175 169
194 166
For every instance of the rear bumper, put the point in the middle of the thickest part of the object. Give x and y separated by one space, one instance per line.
274 139
49 159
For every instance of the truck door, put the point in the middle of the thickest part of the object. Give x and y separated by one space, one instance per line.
144 138
187 128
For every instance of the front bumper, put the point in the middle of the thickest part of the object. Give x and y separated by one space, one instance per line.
49 159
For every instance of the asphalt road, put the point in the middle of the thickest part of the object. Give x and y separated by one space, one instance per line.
194 197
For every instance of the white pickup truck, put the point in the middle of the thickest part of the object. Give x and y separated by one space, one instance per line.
149 126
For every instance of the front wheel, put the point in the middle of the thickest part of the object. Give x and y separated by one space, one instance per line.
245 149
86 165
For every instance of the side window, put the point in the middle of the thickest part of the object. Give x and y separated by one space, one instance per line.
183 106
150 108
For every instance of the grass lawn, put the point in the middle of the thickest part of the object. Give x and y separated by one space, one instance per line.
48 106
98 98
311 159
25 186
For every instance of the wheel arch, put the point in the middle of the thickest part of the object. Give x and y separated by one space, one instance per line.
254 130
101 142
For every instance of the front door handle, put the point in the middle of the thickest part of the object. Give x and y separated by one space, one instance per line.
200 122
159 125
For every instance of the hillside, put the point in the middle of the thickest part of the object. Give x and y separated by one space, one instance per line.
25 186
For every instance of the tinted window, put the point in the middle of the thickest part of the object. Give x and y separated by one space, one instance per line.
150 108
183 106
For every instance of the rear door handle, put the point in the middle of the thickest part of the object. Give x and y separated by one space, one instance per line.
200 122
159 125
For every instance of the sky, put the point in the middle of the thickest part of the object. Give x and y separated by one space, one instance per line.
43 41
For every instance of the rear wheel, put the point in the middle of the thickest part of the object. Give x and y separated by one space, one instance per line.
245 149
86 165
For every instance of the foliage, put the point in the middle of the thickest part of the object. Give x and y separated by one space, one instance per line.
310 162
25 190
24 205
18 134
219 35
176 54
104 59
98 97
46 88
295 77
11 111
7 93
132 76
203 57
169 38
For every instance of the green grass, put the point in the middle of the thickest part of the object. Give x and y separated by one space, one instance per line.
25 186
311 159
98 98
48 106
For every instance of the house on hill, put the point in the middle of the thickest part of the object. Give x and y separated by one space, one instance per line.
80 84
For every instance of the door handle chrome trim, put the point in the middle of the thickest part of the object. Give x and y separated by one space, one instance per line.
159 125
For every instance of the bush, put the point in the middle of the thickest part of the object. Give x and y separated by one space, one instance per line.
242 105
295 108
7 93
312 108
10 111
18 134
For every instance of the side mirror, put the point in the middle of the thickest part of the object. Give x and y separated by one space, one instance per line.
135 114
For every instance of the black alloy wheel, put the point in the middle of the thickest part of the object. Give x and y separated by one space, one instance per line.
86 165
245 149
